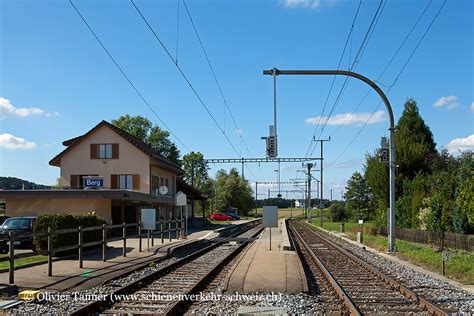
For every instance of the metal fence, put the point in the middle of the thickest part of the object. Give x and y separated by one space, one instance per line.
450 240
165 227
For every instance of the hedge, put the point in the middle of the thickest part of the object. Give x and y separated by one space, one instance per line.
64 221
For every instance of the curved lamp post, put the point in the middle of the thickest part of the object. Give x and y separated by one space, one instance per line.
276 72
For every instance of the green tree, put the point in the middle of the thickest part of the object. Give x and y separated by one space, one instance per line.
464 213
232 190
196 173
415 147
196 170
358 195
151 134
377 177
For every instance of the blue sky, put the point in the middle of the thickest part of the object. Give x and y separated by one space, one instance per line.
56 82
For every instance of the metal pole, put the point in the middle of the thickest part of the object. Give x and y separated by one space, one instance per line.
392 163
11 257
391 241
140 237
256 196
279 183
309 165
321 184
275 101
104 241
50 252
80 247
270 238
124 237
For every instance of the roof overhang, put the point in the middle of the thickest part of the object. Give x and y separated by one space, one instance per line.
85 194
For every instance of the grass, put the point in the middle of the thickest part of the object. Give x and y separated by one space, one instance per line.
23 261
285 212
460 267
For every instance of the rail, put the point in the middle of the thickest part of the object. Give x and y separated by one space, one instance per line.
173 309
406 292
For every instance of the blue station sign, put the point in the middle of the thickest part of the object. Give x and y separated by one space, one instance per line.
93 182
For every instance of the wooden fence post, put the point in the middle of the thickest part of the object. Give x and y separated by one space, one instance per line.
161 230
11 257
104 241
80 247
50 252
139 236
169 229
176 228
153 237
124 237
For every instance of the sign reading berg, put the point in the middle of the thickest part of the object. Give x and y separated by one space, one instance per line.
93 182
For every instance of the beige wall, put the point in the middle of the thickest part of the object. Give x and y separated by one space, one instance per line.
165 174
131 160
101 207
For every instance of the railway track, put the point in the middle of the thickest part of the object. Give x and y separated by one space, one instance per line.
362 288
167 291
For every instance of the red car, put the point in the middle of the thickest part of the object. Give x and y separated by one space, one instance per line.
221 217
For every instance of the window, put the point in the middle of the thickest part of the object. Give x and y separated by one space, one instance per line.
166 182
105 151
126 181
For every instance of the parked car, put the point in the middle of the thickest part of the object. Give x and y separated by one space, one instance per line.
22 227
221 217
233 215
3 218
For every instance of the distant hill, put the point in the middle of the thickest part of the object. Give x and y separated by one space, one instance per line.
10 183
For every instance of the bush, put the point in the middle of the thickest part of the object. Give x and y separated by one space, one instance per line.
337 212
64 221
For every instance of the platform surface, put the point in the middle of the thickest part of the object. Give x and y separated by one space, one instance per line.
68 276
252 272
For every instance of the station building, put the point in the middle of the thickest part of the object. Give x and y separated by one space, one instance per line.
112 174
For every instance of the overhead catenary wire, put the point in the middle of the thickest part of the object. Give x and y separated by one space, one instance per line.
127 78
385 68
356 62
393 83
334 77
238 129
201 101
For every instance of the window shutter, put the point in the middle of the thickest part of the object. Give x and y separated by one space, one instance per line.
114 181
136 182
94 151
74 181
115 151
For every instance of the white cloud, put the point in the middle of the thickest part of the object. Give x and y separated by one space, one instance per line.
472 107
7 109
8 141
347 164
461 144
306 4
451 102
349 119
